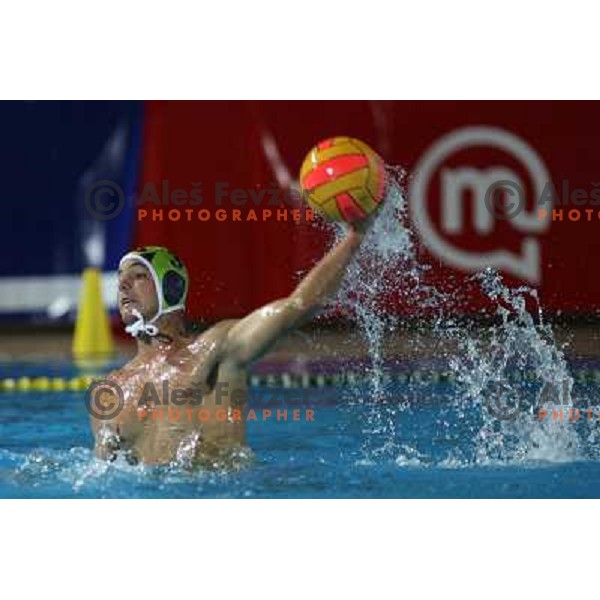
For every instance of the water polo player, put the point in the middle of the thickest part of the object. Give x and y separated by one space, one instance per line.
342 178
205 372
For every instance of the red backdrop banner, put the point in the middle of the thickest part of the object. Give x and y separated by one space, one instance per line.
453 152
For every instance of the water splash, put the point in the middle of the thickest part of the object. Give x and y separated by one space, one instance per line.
49 472
503 365
386 264
483 357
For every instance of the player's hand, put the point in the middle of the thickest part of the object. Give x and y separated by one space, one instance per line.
363 225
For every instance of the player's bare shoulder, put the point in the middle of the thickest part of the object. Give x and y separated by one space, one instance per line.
210 345
214 337
121 374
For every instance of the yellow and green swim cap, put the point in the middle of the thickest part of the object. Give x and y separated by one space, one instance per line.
170 277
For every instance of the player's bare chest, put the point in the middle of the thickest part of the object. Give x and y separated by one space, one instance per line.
163 379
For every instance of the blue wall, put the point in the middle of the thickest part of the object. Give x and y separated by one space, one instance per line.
49 152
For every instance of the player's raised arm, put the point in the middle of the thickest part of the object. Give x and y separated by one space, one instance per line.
344 179
251 337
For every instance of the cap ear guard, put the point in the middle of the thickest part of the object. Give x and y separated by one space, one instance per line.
170 281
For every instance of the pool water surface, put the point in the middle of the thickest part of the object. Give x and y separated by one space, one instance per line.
423 441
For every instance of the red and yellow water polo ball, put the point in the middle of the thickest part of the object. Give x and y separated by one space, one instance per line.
343 178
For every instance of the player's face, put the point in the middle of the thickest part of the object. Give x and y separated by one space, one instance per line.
136 291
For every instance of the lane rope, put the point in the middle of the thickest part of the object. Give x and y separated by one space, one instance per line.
287 380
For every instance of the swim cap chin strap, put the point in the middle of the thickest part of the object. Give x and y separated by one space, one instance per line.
170 280
140 326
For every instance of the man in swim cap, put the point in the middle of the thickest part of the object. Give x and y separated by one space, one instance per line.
176 374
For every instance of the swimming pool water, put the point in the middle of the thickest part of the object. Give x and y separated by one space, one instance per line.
422 442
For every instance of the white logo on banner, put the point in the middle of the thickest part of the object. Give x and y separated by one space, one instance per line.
454 181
